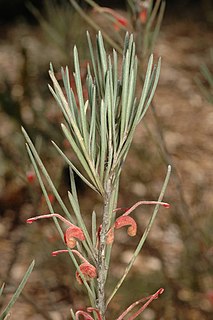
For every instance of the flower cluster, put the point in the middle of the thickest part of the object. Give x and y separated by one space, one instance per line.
86 271
72 234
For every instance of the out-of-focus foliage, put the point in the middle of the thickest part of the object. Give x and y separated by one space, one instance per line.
205 80
64 31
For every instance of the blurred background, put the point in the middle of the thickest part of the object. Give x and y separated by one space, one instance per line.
177 130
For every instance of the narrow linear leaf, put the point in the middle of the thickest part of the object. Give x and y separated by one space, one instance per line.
45 173
18 291
72 314
44 191
103 57
2 288
84 159
157 75
145 89
59 103
73 167
103 142
80 97
94 25
94 229
158 25
144 236
92 134
80 220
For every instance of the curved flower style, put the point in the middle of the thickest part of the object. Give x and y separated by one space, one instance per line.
147 301
87 269
125 220
139 203
120 21
70 235
86 315
145 305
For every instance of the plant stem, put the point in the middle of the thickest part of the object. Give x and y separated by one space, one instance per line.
102 268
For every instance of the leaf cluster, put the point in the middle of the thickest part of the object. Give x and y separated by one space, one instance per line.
100 127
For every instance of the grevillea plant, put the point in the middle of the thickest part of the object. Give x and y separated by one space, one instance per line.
99 129
144 20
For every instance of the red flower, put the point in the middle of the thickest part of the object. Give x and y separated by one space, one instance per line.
120 21
86 268
51 197
71 234
31 177
125 220
120 222
143 15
